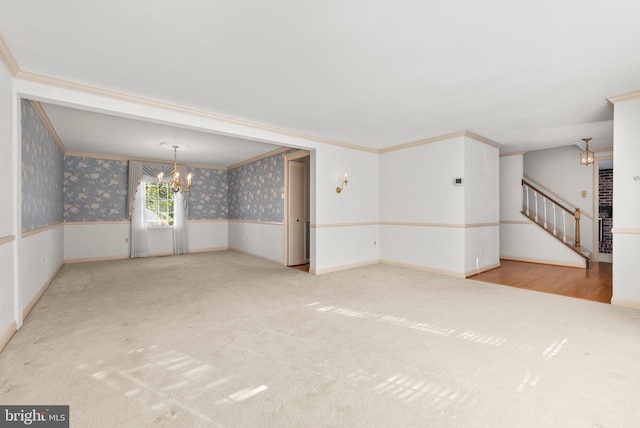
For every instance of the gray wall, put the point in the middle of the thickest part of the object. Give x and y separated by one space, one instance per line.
95 190
42 174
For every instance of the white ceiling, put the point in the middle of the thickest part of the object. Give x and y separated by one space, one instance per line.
90 132
525 74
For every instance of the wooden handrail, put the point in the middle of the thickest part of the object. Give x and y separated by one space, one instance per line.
547 196
577 217
576 213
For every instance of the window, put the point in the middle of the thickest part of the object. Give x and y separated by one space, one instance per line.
159 204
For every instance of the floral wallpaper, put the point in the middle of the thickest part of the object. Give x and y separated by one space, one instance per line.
95 189
255 190
209 195
42 172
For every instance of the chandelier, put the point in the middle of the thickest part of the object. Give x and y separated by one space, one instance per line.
586 157
176 184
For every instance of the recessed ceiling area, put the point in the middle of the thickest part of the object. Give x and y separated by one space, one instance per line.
84 131
527 76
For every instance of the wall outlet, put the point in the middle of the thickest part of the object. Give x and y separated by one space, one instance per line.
43 260
374 243
126 240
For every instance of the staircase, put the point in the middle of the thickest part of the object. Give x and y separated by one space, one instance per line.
557 219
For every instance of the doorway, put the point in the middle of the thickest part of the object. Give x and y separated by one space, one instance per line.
297 209
605 210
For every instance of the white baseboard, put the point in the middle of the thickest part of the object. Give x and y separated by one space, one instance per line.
210 249
606 258
627 303
266 259
582 264
343 267
95 259
7 335
423 268
27 310
481 269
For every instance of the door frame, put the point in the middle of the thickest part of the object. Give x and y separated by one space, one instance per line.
289 158
596 208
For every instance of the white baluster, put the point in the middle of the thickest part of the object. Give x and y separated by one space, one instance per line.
535 196
554 220
564 227
527 201
544 201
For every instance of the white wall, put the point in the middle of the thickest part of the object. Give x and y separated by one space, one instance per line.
437 249
482 249
527 242
7 296
511 173
416 184
426 221
626 203
110 240
264 240
8 224
344 231
95 241
41 256
559 170
421 213
208 235
481 206
352 246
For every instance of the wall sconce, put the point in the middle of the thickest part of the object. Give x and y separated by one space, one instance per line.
345 180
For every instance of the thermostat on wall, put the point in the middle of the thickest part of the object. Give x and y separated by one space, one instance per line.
457 181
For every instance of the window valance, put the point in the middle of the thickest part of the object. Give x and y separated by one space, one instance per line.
138 169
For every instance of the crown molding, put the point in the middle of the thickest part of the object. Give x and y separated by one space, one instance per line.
11 64
262 156
438 138
423 142
93 90
504 155
203 166
7 58
602 149
624 97
126 159
482 139
47 123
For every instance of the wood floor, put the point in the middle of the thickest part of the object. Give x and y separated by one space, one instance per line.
589 284
304 268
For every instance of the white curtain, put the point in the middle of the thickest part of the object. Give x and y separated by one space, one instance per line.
180 235
139 172
139 245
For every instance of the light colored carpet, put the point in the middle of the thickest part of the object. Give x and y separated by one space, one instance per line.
221 339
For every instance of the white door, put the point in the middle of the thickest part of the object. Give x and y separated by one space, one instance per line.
297 213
